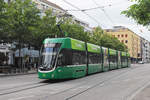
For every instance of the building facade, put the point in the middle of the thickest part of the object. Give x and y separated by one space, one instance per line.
145 50
6 50
43 5
82 23
130 39
59 12
149 52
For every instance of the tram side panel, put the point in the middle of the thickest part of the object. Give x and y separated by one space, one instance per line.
128 60
123 59
70 64
112 59
79 62
94 58
94 64
105 59
76 60
119 59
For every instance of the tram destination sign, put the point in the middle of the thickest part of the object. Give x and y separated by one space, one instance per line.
49 45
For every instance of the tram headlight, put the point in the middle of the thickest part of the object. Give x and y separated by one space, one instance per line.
59 70
44 75
52 75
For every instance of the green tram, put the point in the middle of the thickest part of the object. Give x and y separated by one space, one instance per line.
66 58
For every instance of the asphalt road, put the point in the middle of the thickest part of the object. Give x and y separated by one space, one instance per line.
122 84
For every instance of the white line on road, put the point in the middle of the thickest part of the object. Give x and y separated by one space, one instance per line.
21 97
138 91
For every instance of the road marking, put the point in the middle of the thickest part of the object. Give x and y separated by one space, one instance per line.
54 92
138 91
21 97
102 84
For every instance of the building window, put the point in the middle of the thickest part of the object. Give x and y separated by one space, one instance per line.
47 7
126 41
138 54
43 6
122 41
118 36
122 35
107 30
126 35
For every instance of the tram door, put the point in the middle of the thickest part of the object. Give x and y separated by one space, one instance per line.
87 61
119 59
106 62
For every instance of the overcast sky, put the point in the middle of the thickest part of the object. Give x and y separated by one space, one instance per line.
107 16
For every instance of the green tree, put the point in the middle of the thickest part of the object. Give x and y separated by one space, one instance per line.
22 19
74 30
2 7
48 24
46 28
99 37
3 22
112 42
140 12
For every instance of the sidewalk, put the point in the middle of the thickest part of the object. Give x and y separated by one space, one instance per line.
21 73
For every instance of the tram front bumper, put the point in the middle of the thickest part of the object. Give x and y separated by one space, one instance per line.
47 75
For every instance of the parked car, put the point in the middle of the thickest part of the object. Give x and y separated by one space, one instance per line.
141 62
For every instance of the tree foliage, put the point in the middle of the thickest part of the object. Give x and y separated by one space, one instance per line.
75 31
2 7
99 37
22 19
140 12
3 21
22 22
46 28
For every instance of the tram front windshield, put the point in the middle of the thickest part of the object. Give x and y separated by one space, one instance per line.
49 54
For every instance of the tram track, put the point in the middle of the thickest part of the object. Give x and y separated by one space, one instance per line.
85 82
21 88
17 86
40 84
137 90
82 85
99 83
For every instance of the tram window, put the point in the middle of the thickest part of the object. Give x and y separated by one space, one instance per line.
64 57
123 59
78 57
75 58
112 59
94 58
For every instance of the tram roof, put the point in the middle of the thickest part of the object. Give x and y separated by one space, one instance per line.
71 43
123 53
67 43
112 52
93 48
